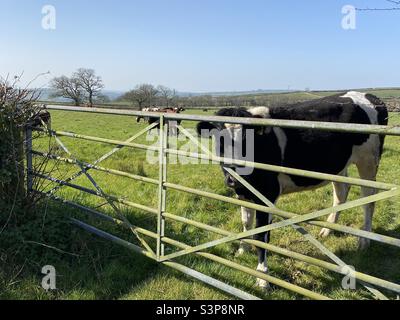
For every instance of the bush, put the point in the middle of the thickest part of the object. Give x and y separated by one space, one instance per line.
17 106
18 219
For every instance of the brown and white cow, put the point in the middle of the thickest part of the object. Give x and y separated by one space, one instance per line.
173 124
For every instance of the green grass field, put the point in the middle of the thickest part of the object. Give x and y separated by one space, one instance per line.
91 268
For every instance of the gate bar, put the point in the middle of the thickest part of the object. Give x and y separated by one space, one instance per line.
95 193
98 188
97 139
322 224
290 254
290 124
250 205
285 170
161 188
190 272
107 155
98 168
234 265
278 250
261 166
286 223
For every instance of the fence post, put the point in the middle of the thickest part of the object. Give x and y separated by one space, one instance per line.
162 192
29 162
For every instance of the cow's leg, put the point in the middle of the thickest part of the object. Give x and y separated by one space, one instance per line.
49 124
248 223
174 128
262 219
340 194
368 169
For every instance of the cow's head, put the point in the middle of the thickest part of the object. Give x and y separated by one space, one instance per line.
37 120
233 141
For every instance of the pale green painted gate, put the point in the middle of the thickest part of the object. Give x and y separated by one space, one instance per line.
286 218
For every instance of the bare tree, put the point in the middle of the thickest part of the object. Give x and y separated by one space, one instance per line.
90 83
143 95
135 97
102 98
150 92
168 96
68 88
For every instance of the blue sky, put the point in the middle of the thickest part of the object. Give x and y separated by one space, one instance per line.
204 45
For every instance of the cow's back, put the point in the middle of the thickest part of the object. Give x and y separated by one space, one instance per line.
350 107
323 151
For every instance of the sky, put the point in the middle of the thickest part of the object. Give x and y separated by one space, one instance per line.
204 45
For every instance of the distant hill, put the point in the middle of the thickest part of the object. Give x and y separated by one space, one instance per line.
113 95
231 93
268 95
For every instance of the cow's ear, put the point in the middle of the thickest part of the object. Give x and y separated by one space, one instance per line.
204 129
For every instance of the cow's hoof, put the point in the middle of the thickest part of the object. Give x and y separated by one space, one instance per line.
325 232
240 252
263 284
244 247
363 243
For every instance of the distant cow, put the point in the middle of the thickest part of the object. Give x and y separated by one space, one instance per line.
154 109
42 115
306 149
173 124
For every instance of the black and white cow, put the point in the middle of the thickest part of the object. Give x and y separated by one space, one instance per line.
320 151
37 118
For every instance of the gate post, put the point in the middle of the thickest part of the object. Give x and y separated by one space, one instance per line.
162 192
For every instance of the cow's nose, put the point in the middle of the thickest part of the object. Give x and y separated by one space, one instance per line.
231 182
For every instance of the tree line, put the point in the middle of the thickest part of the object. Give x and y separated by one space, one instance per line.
148 95
83 87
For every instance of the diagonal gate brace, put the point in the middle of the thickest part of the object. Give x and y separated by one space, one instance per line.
99 190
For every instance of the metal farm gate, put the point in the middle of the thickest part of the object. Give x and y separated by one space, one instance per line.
285 218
